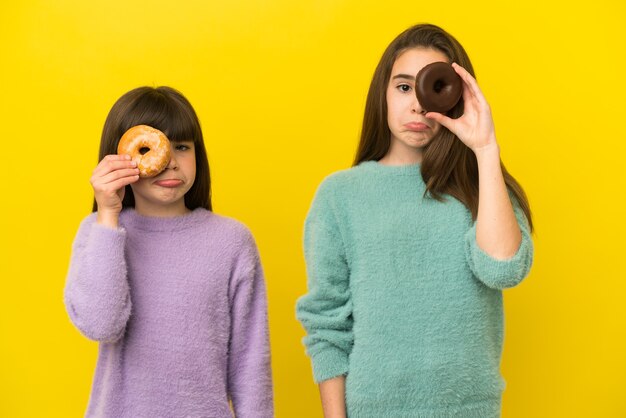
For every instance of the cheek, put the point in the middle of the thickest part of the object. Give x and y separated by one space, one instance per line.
436 128
193 166
392 110
138 190
397 107
138 185
190 169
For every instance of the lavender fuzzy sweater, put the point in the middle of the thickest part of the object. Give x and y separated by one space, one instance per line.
179 308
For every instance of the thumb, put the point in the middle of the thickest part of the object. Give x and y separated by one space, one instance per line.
439 118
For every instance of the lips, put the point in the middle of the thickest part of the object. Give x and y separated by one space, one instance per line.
416 126
170 183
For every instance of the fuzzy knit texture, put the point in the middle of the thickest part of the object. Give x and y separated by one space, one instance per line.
179 308
401 300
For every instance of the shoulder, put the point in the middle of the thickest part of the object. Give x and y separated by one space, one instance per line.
231 232
343 182
84 227
236 244
87 225
89 230
229 240
88 220
336 194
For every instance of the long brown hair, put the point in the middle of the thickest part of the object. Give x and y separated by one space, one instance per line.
448 166
167 110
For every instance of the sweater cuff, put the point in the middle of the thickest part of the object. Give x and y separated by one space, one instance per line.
499 274
328 363
104 238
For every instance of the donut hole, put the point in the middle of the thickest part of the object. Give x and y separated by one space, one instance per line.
143 150
439 86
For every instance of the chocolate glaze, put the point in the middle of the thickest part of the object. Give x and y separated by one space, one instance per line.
438 87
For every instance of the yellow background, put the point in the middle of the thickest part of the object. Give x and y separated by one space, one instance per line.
279 86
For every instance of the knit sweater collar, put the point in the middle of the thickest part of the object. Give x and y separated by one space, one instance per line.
412 170
133 220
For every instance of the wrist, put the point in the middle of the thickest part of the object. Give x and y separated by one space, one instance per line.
108 218
488 152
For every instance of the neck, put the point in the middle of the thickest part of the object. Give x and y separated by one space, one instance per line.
161 211
401 155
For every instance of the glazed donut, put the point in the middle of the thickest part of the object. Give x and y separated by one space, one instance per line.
148 147
438 87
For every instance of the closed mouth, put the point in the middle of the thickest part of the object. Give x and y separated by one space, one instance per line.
416 126
169 182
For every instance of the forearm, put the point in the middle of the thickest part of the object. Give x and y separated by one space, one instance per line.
96 293
497 231
333 396
249 361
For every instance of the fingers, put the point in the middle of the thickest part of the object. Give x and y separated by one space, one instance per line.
442 119
114 181
113 162
119 174
437 117
122 182
470 82
114 172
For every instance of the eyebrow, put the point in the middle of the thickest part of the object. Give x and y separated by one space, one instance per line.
406 76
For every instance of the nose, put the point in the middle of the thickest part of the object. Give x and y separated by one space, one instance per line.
173 164
416 107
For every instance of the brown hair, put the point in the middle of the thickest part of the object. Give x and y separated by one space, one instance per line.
167 110
448 166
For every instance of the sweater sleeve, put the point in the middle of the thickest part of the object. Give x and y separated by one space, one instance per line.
97 296
501 274
326 310
249 359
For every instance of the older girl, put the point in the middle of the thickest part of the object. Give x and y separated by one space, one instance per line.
408 251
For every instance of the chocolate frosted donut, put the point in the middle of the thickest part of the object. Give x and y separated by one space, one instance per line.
147 146
438 87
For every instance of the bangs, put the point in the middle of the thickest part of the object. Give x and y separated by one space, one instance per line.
172 117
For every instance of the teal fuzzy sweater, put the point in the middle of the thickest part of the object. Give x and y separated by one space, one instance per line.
401 299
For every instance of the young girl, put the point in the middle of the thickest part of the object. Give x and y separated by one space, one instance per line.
408 251
174 293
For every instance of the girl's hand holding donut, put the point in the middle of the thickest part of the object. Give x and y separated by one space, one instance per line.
475 127
108 180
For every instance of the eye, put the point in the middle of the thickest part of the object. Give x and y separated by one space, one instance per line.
182 147
404 88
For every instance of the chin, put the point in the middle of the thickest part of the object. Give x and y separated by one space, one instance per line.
419 143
